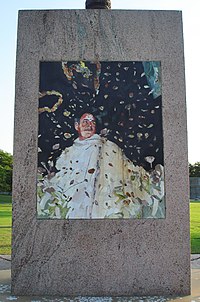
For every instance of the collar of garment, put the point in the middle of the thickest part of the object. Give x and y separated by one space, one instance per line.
95 139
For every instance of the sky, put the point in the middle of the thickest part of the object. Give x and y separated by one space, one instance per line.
8 37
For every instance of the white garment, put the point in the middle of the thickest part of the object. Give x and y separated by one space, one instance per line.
96 180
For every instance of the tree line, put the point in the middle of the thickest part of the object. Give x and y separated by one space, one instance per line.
194 170
6 167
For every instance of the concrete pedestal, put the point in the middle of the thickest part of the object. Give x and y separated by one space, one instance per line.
100 257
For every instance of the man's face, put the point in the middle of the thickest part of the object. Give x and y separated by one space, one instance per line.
86 127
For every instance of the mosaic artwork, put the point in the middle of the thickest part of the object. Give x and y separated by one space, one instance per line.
100 141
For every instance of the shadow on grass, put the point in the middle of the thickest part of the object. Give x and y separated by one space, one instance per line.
5 227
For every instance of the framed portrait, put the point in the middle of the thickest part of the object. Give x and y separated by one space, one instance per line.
100 141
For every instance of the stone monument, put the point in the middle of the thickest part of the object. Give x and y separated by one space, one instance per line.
113 221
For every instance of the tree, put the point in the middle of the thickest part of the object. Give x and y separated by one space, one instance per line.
6 165
194 170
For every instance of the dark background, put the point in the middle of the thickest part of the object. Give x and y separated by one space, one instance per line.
124 107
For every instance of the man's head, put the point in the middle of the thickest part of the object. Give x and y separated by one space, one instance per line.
86 126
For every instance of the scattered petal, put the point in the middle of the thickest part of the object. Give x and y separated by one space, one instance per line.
67 135
150 92
139 135
150 159
56 146
66 113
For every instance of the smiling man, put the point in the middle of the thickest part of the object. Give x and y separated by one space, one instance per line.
85 126
96 180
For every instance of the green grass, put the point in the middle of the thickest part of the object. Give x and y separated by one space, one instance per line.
195 226
6 222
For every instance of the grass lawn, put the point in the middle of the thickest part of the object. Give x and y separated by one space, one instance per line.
195 226
6 222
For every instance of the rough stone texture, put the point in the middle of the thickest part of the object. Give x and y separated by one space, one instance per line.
107 257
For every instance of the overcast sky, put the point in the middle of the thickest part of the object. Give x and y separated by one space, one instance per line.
8 36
